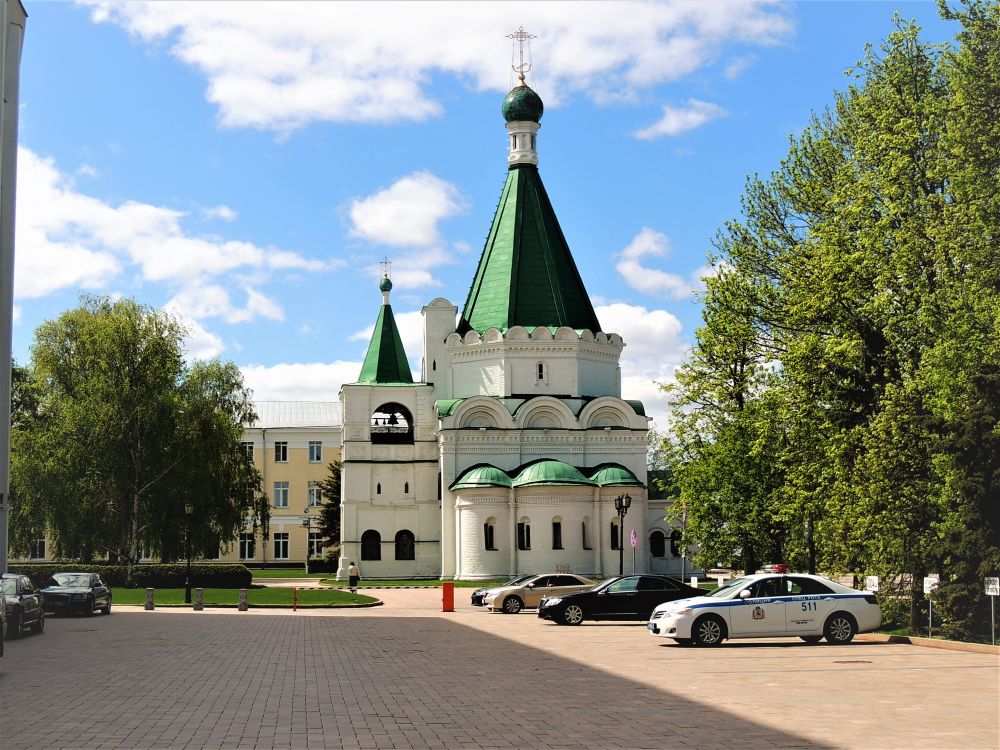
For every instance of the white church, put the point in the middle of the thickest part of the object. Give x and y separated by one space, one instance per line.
508 454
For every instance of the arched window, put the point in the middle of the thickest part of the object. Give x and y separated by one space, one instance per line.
557 533
392 424
434 365
405 545
541 371
615 536
378 488
587 544
675 542
657 544
524 534
371 545
489 533
406 488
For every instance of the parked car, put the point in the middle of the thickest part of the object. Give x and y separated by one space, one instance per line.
479 594
512 599
82 592
765 606
25 604
620 598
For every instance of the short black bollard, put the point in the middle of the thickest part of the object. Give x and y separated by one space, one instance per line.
149 600
199 600
243 600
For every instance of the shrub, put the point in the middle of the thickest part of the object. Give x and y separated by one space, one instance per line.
145 575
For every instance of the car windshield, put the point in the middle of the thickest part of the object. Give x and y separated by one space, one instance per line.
519 581
605 582
724 591
72 579
8 586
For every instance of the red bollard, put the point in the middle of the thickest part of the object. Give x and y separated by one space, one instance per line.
295 600
447 596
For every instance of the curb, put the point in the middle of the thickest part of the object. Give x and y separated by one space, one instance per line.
914 640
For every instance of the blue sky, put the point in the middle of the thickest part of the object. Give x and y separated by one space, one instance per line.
247 165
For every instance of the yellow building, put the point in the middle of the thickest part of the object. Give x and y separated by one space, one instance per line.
293 443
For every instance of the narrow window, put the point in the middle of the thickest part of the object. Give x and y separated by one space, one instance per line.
406 488
615 541
378 488
434 365
532 141
524 535
541 371
248 449
281 494
281 546
557 535
281 452
657 544
38 549
489 535
315 451
675 543
585 528
405 545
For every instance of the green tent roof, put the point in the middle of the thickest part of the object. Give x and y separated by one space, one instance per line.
550 471
614 475
526 274
385 363
484 475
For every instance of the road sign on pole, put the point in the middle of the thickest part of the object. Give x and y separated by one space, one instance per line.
871 583
930 583
992 588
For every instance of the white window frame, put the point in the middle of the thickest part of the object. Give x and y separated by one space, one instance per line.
315 495
281 452
315 545
281 494
248 540
280 545
315 451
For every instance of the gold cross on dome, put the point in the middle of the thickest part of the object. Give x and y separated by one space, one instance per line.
386 267
521 36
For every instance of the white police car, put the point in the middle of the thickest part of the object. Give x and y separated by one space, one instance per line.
767 606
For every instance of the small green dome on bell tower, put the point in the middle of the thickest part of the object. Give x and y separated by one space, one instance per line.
385 285
522 104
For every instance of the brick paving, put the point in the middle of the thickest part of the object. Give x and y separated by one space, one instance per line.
407 676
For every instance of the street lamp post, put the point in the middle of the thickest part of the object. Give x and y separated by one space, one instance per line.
622 502
307 523
188 513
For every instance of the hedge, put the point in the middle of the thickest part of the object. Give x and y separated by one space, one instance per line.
145 575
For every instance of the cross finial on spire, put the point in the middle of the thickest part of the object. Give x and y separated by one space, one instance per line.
386 267
521 36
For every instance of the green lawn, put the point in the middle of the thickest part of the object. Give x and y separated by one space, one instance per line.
416 582
257 596
285 573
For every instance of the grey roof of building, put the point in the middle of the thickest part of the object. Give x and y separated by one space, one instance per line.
277 414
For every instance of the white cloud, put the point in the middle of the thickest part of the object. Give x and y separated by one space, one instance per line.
407 213
677 120
653 350
199 301
200 343
221 212
650 243
69 240
735 67
317 381
280 66
85 170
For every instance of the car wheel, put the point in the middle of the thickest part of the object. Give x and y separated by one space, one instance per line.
572 614
709 630
39 625
512 605
90 607
812 640
840 628
106 609
14 626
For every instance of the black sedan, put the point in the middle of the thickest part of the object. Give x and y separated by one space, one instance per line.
621 598
82 592
479 594
24 604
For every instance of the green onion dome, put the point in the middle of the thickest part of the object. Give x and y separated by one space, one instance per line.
522 104
385 285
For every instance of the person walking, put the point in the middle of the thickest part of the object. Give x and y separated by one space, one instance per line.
353 576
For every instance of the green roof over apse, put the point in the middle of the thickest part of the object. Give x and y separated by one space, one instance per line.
526 274
385 363
484 475
550 471
614 475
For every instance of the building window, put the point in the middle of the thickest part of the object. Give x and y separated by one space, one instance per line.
434 365
541 371
615 539
406 488
557 535
315 451
211 553
315 544
585 528
315 495
248 449
378 488
281 545
371 545
657 544
489 534
405 545
524 535
248 547
38 549
281 452
675 543
281 494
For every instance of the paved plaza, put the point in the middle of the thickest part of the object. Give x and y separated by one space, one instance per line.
405 675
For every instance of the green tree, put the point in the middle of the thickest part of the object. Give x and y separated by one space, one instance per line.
125 434
329 515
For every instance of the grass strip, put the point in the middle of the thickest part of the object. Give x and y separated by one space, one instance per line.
421 582
257 596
